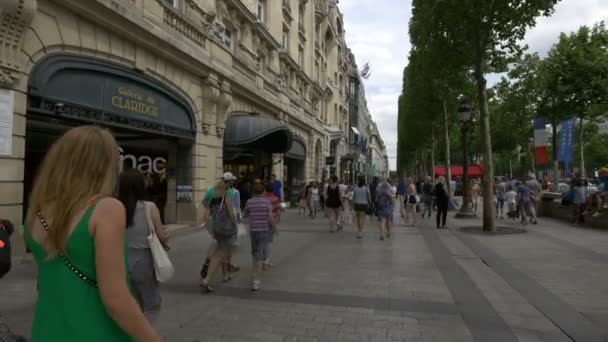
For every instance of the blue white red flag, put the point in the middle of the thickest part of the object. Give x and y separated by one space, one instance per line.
540 141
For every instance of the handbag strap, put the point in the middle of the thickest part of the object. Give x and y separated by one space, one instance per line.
89 280
148 209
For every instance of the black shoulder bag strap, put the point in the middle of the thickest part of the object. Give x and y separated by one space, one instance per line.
89 280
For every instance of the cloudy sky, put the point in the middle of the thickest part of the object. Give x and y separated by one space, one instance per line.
376 31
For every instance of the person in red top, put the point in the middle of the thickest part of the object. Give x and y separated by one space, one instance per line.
276 215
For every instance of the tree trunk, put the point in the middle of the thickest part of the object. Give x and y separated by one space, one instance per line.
555 185
581 147
486 142
532 157
446 133
432 174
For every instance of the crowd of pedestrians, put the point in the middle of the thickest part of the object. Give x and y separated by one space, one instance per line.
94 242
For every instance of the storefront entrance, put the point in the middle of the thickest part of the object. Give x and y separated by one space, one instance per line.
294 170
250 140
153 126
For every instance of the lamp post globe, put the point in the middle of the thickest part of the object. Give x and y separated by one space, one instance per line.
466 209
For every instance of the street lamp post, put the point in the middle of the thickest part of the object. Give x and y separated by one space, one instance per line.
466 209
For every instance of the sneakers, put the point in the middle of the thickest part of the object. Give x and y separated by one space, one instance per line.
340 227
359 235
232 268
256 285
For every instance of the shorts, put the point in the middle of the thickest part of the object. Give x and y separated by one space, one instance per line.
386 213
259 245
225 244
360 207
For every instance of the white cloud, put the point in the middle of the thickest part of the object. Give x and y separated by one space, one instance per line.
376 31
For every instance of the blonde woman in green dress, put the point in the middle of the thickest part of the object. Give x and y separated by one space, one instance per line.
76 231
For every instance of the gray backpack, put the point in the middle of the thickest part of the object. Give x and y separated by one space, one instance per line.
224 227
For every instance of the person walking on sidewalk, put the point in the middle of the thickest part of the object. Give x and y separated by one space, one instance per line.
277 188
501 191
511 201
580 199
386 208
333 203
373 188
535 193
259 212
221 223
275 203
442 199
401 196
475 194
313 200
234 197
523 201
362 204
411 201
145 287
76 232
427 196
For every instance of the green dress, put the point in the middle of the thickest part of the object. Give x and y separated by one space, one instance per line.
68 308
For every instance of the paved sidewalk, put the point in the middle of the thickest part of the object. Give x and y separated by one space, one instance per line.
423 284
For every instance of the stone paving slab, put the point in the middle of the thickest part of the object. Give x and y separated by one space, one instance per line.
560 278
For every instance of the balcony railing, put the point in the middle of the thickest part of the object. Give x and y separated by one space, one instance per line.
183 26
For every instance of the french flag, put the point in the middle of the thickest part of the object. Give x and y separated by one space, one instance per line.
540 141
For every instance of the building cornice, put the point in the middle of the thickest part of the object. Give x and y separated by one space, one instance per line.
15 16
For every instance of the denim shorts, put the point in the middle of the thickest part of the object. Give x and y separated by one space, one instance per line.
259 245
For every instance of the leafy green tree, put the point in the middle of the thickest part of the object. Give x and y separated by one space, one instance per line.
487 33
514 102
594 145
575 79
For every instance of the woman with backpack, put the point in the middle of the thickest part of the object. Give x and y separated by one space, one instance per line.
333 203
142 218
362 200
386 207
221 223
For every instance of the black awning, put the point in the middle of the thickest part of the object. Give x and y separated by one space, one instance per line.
256 132
233 154
298 149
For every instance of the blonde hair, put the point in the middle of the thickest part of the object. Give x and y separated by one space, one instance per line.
220 188
80 165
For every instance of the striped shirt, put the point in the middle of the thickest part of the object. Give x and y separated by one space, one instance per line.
258 209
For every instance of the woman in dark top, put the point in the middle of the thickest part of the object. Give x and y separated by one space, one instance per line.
442 200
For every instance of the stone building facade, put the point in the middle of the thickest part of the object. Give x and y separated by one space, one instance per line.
190 88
